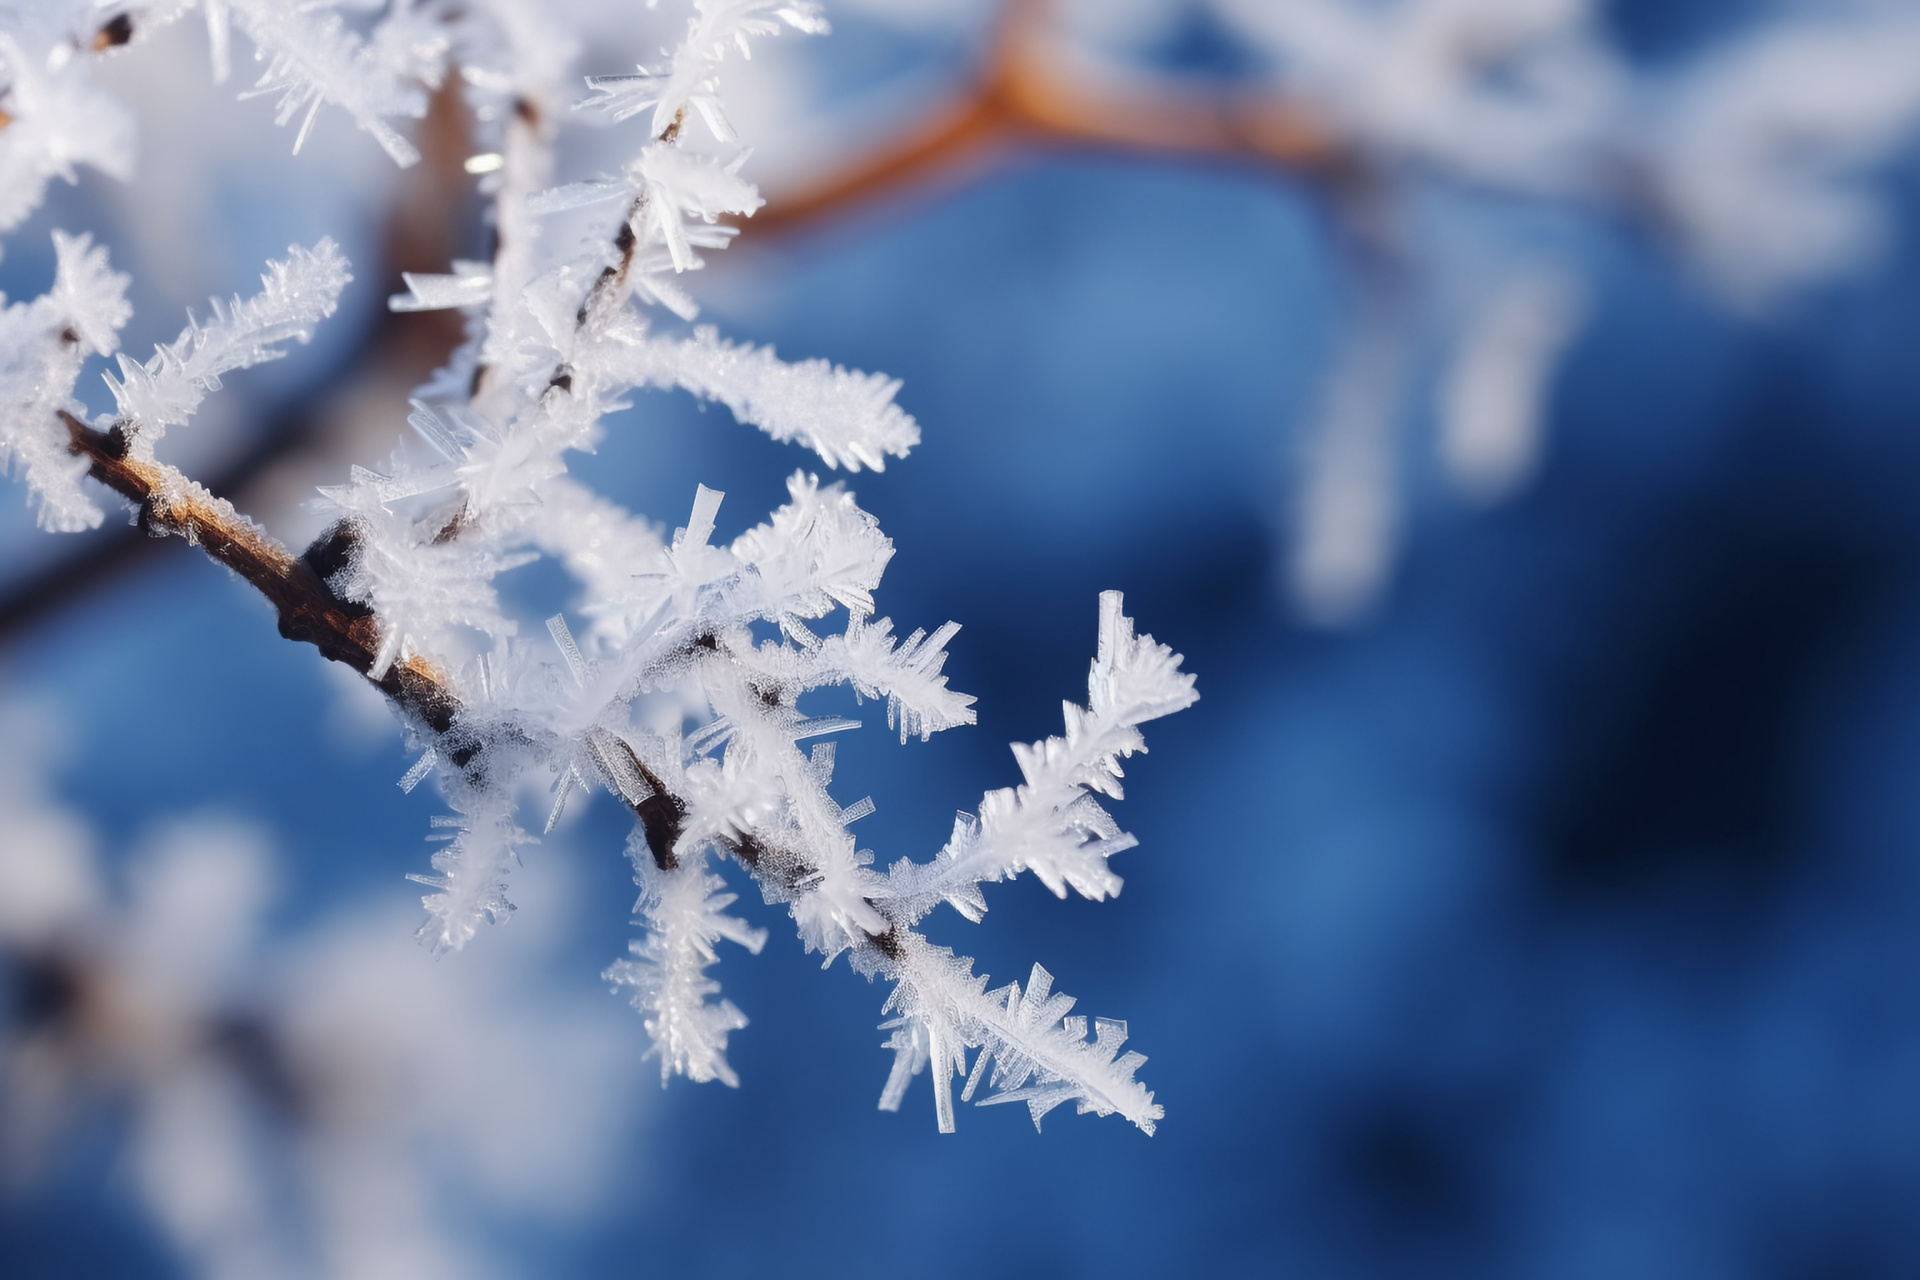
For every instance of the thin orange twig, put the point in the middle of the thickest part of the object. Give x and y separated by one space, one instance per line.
1025 94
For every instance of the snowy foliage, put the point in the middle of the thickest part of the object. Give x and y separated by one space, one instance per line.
681 694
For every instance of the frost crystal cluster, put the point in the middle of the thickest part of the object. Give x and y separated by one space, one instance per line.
677 683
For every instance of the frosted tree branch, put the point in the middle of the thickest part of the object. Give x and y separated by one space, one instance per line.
682 695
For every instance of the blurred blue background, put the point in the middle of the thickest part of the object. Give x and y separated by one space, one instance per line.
1562 921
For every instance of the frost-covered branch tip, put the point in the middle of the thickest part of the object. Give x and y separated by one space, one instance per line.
296 293
1053 826
848 418
1039 1054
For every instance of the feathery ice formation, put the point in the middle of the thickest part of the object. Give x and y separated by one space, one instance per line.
667 697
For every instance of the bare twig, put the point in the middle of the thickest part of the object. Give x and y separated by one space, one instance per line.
1025 95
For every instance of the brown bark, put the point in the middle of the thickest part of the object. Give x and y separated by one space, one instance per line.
169 503
1025 94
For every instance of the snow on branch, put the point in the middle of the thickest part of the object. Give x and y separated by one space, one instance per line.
818 551
1039 1054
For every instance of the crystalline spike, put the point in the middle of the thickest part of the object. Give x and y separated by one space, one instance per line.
709 736
821 757
561 790
421 768
569 649
706 505
1112 620
942 1082
979 1070
909 1043
441 292
425 420
618 765
219 39
824 724
574 195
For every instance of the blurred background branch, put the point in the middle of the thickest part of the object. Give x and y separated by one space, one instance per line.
1031 91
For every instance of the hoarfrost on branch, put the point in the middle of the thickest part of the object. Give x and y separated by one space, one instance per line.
664 697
